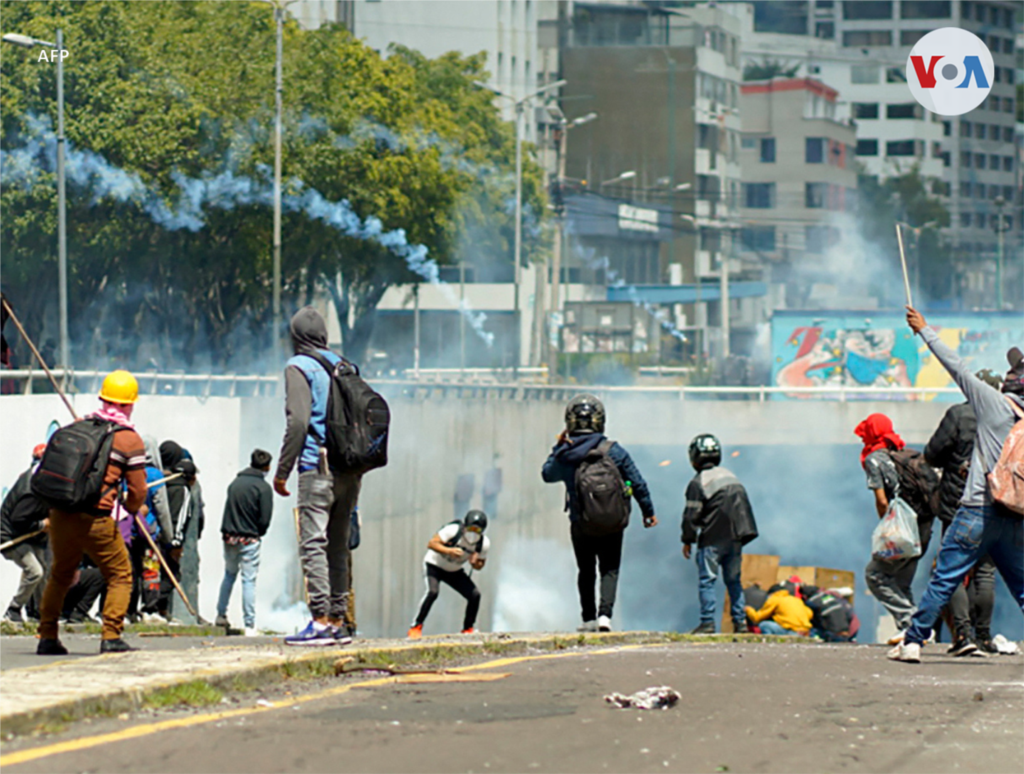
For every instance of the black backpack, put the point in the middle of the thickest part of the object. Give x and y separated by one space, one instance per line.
70 474
357 420
601 493
919 483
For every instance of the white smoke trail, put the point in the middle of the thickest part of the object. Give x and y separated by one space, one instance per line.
224 190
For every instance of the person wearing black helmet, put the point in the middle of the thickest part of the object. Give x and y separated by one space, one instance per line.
718 517
599 477
448 551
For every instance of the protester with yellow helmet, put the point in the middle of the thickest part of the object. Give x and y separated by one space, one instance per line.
81 517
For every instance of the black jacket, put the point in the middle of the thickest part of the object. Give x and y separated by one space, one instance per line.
950 449
249 505
717 505
561 465
22 512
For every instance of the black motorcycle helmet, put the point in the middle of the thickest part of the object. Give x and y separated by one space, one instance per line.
705 452
584 414
475 519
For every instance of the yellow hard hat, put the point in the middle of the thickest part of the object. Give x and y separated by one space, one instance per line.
119 387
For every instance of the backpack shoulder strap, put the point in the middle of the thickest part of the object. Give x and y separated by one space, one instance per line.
1017 410
458 535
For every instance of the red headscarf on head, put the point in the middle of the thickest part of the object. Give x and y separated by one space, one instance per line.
877 433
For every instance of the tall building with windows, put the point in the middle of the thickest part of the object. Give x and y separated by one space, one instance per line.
978 148
799 187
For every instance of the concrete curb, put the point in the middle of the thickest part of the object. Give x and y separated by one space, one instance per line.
235 669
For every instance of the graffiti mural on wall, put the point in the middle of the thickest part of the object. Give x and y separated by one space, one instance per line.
847 349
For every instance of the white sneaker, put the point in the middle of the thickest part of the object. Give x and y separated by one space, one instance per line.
587 626
252 631
604 623
909 652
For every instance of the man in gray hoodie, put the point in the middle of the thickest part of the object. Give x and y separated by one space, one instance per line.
326 497
980 526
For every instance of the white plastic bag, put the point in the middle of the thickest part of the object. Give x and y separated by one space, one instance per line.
896 536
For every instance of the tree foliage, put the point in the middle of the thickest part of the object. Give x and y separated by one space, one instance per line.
176 89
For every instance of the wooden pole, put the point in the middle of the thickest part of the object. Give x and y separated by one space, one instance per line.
903 262
163 563
22 539
31 346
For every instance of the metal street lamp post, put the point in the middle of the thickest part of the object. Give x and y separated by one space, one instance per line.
279 7
519 105
62 223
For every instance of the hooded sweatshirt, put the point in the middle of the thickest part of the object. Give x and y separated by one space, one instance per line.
307 385
565 457
994 417
156 497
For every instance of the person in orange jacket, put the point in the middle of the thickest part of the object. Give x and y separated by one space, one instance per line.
781 613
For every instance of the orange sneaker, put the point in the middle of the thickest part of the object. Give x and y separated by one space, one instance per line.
470 630
415 632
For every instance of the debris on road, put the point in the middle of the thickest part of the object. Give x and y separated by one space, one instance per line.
660 697
1004 646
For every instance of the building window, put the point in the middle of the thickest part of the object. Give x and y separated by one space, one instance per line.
1008 105
993 161
910 37
965 129
748 143
867 9
1007 163
864 38
867 147
895 75
993 131
979 160
865 110
979 12
1008 193
864 74
947 129
1007 45
912 9
767 150
1007 134
965 189
758 239
815 195
900 148
965 220
980 130
825 30
759 196
901 110
965 160
814 150
979 219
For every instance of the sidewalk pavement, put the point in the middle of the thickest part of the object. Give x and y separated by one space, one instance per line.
62 690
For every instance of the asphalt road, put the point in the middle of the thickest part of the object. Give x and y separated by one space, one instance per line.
745 707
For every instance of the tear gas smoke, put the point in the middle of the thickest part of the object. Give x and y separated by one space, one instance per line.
224 190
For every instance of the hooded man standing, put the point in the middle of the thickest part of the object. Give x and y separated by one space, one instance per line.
981 525
326 497
583 441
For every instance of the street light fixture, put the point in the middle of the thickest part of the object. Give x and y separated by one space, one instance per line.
62 224
620 178
519 105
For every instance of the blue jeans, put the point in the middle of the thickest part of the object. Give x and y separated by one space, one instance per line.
974 532
770 627
729 559
246 558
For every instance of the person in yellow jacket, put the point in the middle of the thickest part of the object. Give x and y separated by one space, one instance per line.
781 613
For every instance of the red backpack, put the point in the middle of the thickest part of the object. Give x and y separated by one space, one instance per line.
1006 480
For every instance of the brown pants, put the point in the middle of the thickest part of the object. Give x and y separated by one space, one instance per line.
71 534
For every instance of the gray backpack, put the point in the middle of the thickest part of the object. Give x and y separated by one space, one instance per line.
601 493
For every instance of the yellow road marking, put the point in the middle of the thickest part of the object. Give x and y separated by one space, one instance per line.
147 729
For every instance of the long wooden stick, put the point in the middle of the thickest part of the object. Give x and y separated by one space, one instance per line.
39 357
22 539
163 563
903 262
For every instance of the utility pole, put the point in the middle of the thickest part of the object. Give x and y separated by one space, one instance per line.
462 318
518 245
1000 228
278 93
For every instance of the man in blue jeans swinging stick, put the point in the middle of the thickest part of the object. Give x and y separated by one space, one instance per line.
980 525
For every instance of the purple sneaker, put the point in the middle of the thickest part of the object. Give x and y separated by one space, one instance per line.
313 635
